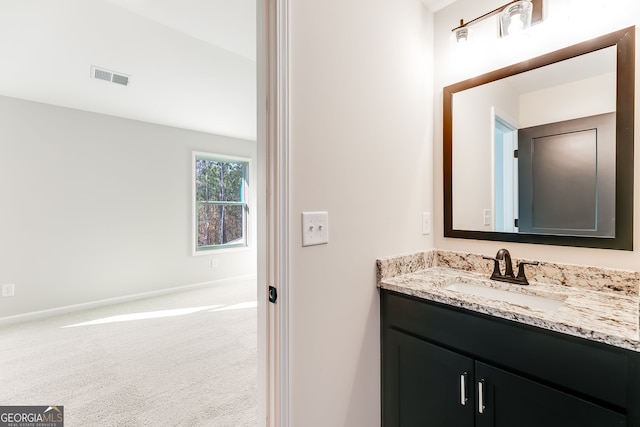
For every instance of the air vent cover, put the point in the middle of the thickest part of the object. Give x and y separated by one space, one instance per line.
110 76
102 75
120 79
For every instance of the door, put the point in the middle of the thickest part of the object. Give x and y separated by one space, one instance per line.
509 400
424 385
566 177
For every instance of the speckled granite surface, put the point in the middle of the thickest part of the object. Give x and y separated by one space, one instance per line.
575 276
403 264
609 315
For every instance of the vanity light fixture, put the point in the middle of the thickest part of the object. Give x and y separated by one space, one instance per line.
462 34
515 16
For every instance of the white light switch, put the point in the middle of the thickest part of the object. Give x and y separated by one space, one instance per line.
8 290
315 228
486 216
426 222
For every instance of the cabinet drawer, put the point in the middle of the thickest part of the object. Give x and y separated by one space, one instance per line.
574 364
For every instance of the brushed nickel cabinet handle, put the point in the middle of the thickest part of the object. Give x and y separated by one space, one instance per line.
463 389
481 406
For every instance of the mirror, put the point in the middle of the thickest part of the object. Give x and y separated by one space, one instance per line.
542 151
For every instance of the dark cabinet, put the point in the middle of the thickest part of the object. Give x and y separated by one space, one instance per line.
510 400
425 384
431 378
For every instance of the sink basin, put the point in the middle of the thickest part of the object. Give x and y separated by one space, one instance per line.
517 298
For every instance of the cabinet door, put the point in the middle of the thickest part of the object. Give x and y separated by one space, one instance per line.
424 385
510 400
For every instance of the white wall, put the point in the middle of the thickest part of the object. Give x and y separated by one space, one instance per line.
566 24
473 124
361 130
583 98
96 207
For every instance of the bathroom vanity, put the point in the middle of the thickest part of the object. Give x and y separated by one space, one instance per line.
453 357
460 349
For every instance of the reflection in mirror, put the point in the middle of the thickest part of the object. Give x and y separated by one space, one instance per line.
541 152
487 122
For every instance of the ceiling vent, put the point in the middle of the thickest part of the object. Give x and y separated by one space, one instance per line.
109 76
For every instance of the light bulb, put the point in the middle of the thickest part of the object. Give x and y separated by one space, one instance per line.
516 17
516 25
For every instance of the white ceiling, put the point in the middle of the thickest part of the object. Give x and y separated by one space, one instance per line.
582 67
436 5
191 62
229 24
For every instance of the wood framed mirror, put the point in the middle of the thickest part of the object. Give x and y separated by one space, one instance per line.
509 178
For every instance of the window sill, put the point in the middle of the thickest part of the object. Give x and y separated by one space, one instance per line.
218 251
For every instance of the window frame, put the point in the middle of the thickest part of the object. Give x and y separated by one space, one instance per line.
246 196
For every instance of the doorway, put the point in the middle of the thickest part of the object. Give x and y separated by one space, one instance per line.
105 22
505 173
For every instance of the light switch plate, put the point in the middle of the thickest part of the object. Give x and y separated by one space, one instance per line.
426 222
8 290
315 228
486 216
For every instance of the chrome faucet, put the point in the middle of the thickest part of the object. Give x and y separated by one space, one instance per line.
508 276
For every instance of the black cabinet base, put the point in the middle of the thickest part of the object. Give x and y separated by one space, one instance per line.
443 366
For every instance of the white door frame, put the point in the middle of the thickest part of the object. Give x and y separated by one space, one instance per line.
273 211
510 168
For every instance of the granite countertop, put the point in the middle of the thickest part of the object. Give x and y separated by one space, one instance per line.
603 316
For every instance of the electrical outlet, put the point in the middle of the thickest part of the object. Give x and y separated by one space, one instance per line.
8 290
426 222
214 262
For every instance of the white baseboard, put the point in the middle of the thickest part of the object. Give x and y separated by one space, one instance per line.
36 315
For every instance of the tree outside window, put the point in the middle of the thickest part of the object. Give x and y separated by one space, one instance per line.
220 202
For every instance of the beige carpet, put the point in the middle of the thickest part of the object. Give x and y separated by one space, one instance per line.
188 359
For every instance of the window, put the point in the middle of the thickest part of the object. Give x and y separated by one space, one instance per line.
220 201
